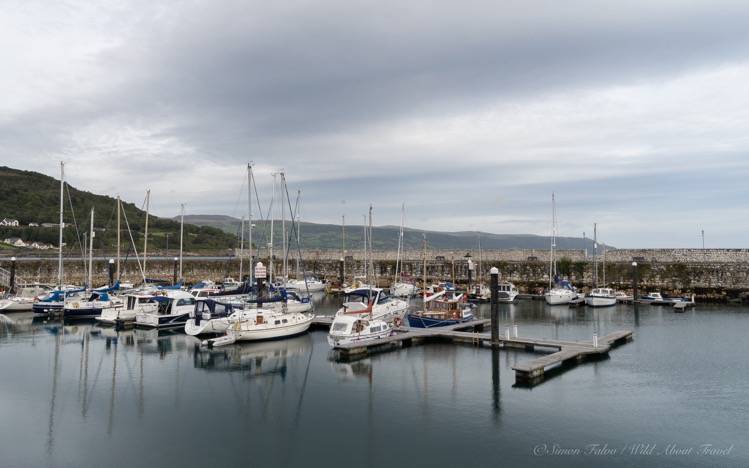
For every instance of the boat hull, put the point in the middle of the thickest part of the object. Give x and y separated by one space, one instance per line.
420 321
161 321
207 327
600 301
8 305
271 333
113 316
559 299
339 341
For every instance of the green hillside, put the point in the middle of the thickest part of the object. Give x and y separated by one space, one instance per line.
31 197
328 236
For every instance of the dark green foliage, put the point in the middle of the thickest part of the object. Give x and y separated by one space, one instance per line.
31 197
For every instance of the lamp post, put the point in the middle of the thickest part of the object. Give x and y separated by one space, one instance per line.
111 272
12 281
634 283
494 287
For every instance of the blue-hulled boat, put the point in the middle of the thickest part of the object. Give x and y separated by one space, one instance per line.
54 301
441 311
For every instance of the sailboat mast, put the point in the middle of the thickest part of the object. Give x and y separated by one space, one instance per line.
284 243
553 239
118 236
366 263
249 216
424 273
145 233
181 237
400 246
595 255
298 233
91 252
241 247
270 244
369 239
61 225
343 245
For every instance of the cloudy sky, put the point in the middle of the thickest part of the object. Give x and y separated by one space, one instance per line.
635 113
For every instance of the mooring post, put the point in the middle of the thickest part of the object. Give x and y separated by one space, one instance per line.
174 275
595 340
12 281
111 272
494 288
507 332
515 330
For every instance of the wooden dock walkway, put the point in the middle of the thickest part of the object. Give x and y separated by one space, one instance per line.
565 354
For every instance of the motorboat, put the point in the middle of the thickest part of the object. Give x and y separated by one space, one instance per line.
173 310
684 303
23 300
403 289
91 305
54 301
309 283
349 329
204 288
262 324
506 292
373 302
210 317
601 297
480 293
621 296
134 303
655 298
442 309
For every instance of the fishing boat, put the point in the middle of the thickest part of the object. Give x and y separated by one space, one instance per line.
506 292
374 303
173 310
349 329
442 309
601 297
23 300
91 305
210 317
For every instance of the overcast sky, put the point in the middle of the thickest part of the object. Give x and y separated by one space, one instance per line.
636 113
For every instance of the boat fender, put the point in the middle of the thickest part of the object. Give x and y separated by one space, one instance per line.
397 321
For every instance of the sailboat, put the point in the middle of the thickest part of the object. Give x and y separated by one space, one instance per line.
560 291
442 307
401 288
599 297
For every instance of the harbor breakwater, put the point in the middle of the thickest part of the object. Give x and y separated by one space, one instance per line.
715 275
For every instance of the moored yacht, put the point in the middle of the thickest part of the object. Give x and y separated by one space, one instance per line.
210 317
348 329
140 302
54 301
506 292
92 305
373 302
309 283
23 300
440 310
173 310
601 297
403 289
262 324
562 293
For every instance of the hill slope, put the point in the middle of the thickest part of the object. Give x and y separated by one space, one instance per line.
328 236
31 197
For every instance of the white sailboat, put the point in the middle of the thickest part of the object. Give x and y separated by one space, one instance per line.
401 288
562 292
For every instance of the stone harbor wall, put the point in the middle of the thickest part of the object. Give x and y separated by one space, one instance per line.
712 274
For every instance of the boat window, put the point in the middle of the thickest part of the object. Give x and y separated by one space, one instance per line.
278 322
190 301
285 321
338 327
375 329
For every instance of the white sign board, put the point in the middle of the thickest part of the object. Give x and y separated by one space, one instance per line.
260 271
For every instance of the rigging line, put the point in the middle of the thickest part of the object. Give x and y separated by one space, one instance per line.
75 224
140 267
239 196
293 233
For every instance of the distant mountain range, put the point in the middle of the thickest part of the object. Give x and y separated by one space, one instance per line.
328 236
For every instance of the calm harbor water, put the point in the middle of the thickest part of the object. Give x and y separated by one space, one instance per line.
85 396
